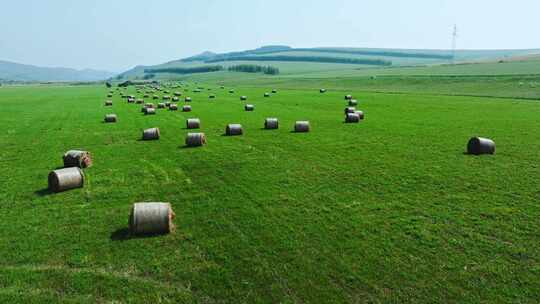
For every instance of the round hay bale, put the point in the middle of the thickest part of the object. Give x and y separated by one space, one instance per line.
360 114
480 145
109 95
166 92
322 90
193 123
155 97
243 97
166 97
271 123
149 105
167 104
177 94
161 105
187 99
110 118
77 158
352 118
108 103
350 110
173 107
266 94
222 87
131 100
151 134
195 139
231 91
151 218
186 108
234 129
146 96
150 111
353 102
249 107
348 97
301 126
274 91
140 101
176 98
212 96
66 179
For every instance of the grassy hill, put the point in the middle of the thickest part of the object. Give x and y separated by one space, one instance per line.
299 61
10 71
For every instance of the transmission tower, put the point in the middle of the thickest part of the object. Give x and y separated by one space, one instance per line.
454 43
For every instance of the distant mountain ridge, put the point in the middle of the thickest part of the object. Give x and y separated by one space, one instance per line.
11 71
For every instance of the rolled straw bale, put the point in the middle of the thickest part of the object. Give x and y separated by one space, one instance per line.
166 97
212 96
480 145
151 134
243 97
173 107
234 129
66 179
146 96
77 158
186 108
109 95
353 102
360 114
249 107
177 94
322 90
175 98
108 103
149 105
187 99
350 110
151 218
271 123
161 105
167 104
155 97
195 139
274 91
266 94
352 118
131 100
193 123
301 126
348 97
231 91
150 111
110 118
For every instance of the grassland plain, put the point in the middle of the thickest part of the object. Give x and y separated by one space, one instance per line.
388 210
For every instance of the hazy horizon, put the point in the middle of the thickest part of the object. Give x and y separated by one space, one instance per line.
118 36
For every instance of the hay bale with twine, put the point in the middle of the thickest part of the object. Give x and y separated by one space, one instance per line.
301 126
186 108
249 107
151 218
77 158
173 107
234 129
480 145
151 134
66 179
195 139
110 118
352 118
108 103
271 123
193 123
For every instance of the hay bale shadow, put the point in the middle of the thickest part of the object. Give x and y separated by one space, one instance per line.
124 234
44 192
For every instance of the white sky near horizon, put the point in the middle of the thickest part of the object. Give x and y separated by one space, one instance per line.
116 35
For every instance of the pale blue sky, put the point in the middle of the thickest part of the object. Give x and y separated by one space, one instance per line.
118 34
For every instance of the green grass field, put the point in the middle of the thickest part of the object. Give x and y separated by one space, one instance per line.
390 210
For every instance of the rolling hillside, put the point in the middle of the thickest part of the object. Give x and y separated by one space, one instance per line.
10 71
293 61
